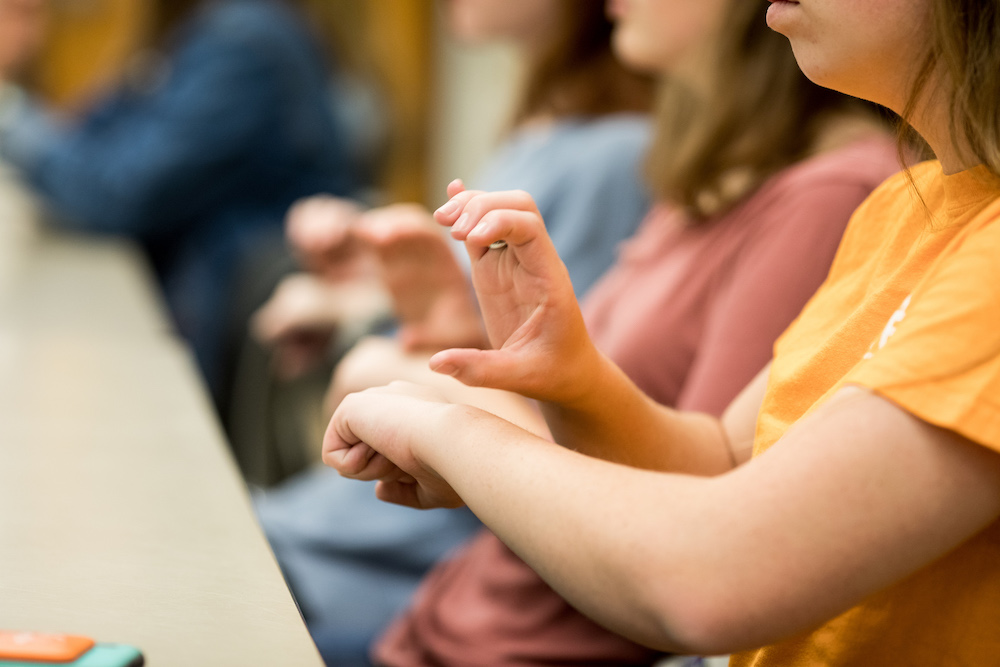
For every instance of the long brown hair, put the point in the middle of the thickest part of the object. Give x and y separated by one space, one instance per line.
756 115
964 47
578 74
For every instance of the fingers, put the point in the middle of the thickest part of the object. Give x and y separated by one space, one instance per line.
451 211
316 224
301 304
512 226
389 224
399 493
491 205
344 446
464 211
352 458
455 187
480 368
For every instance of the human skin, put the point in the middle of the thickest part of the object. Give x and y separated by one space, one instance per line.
859 492
681 27
22 28
398 246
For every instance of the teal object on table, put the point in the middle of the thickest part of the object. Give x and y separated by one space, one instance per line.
102 655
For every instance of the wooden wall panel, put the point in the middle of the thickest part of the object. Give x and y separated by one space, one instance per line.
88 46
400 41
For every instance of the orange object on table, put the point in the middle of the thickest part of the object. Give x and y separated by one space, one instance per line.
22 645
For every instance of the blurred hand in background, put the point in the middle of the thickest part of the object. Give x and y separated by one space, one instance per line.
22 31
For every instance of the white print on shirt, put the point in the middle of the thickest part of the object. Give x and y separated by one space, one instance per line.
890 328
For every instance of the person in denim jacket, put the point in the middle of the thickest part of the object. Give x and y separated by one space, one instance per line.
197 154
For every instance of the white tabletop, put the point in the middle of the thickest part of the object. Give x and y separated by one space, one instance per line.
122 515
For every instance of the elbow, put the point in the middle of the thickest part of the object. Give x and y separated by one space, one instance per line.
696 616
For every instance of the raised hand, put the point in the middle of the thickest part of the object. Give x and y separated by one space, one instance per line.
430 293
320 230
540 344
299 320
22 33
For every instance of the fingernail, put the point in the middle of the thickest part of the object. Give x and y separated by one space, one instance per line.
446 369
450 207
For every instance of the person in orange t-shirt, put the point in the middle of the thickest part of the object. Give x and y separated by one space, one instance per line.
845 509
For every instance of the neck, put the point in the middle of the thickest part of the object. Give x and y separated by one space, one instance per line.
932 121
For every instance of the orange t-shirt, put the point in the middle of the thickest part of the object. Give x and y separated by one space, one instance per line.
911 311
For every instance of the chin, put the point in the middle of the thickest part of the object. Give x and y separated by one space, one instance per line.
632 55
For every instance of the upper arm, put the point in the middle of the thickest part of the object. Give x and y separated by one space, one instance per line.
739 421
860 493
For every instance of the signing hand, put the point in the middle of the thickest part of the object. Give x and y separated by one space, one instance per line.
376 435
302 316
22 32
431 295
320 230
541 346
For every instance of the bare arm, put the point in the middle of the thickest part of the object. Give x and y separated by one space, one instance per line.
860 493
542 349
617 422
376 360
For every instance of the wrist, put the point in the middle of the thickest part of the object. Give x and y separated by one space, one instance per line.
588 384
451 434
603 395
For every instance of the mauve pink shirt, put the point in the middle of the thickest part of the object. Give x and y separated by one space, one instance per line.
690 312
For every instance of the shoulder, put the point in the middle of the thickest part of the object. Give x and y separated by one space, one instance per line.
571 155
830 185
865 163
601 154
580 142
626 135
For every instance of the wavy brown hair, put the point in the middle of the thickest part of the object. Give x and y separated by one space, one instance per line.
964 49
755 115
577 74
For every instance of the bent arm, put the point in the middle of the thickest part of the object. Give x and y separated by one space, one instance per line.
157 159
860 493
615 421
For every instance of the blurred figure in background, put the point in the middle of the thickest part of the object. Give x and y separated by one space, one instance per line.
197 154
576 143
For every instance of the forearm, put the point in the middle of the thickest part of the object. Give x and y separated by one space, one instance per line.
582 525
614 420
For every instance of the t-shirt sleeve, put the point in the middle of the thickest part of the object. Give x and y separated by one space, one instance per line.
939 356
774 276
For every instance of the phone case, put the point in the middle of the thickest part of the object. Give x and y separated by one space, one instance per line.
101 655
42 646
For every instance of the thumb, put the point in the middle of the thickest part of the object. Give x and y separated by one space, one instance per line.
474 367
398 493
